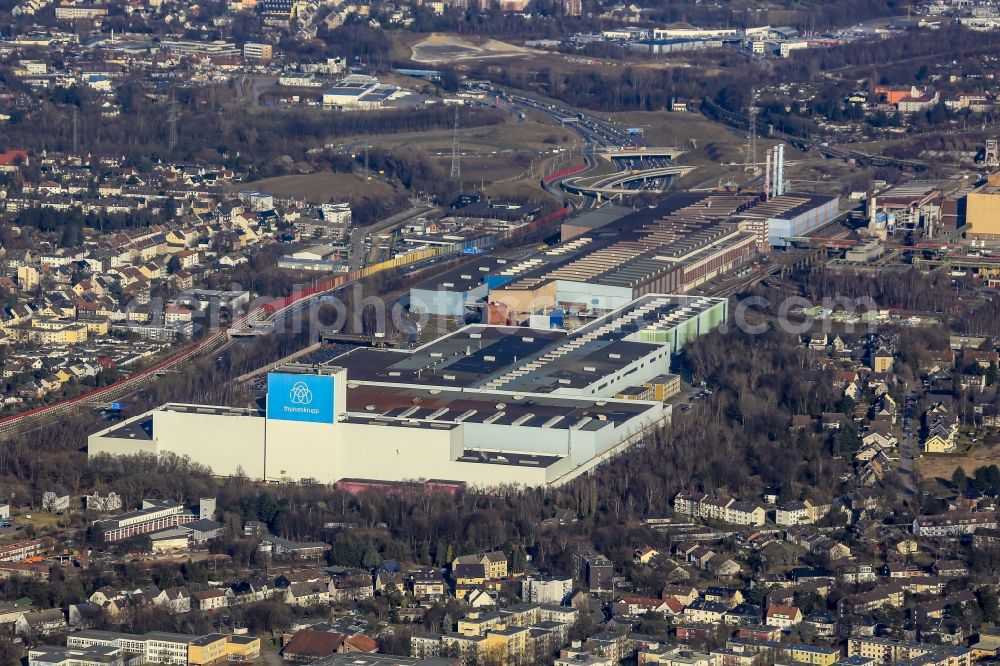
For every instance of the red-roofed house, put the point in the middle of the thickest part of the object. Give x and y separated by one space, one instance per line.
672 606
308 645
13 160
633 604
782 616
359 643
895 94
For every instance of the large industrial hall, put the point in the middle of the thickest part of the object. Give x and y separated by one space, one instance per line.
483 405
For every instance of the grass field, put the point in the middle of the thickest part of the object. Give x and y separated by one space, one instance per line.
41 521
530 135
942 467
491 156
491 153
320 187
719 152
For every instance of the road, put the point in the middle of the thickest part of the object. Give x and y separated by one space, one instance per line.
594 132
249 88
213 343
359 234
908 446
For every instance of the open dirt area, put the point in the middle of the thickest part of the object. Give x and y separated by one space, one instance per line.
439 48
320 187
942 467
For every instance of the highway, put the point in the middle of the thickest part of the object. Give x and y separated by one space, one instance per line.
594 132
626 182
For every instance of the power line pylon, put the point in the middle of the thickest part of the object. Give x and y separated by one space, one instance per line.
172 123
456 159
750 164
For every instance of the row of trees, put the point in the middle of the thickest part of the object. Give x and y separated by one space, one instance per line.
910 289
737 443
950 42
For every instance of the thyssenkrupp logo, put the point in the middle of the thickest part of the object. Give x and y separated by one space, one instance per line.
300 394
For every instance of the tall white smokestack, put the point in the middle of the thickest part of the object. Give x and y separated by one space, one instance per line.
774 170
767 175
770 172
781 169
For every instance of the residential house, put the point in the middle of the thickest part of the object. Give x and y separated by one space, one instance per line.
782 617
799 513
429 586
702 611
209 600
494 563
723 509
953 524
41 623
307 594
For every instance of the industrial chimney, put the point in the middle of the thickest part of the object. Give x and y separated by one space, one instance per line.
780 185
767 175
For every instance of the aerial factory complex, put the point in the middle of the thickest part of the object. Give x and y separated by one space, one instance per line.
484 405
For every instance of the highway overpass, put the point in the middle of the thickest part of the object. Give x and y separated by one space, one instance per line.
617 183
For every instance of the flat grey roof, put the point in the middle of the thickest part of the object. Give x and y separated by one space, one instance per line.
465 277
466 357
476 355
598 217
214 410
138 429
487 457
449 406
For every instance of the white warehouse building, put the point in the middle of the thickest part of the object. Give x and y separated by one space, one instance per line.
484 405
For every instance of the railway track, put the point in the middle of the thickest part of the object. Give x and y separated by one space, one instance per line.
260 316
41 416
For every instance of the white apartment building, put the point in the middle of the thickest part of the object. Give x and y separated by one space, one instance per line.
550 590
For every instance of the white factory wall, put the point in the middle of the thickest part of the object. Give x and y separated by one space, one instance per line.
300 450
516 439
594 296
778 229
580 445
394 453
658 413
558 469
226 443
443 303
408 453
327 453
585 444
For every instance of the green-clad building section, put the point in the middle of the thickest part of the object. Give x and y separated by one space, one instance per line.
686 323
